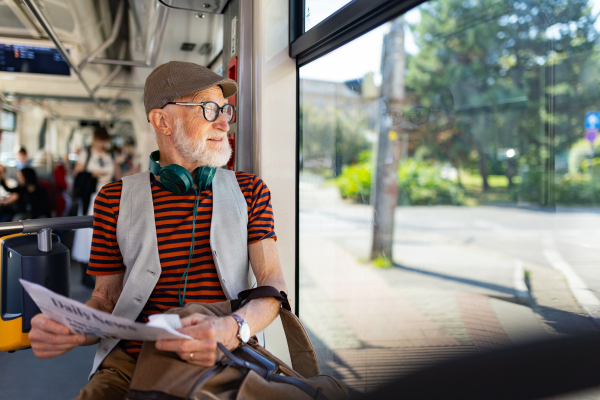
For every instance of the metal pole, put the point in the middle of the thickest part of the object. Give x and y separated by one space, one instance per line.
44 238
57 224
120 62
37 13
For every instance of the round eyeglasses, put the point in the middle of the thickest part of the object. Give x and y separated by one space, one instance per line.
417 115
211 110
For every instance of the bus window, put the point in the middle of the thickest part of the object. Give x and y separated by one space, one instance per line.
449 176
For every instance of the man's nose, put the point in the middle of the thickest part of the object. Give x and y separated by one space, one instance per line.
221 123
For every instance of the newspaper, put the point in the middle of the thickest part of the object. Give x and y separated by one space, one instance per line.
85 320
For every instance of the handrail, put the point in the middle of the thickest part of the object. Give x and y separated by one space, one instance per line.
36 225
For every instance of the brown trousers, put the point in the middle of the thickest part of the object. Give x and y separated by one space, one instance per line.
112 379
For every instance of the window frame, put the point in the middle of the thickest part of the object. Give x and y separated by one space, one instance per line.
346 24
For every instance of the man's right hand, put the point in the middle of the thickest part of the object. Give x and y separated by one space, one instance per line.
51 339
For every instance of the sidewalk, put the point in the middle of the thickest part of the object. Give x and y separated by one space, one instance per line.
370 325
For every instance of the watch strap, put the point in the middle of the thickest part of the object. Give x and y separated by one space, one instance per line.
240 321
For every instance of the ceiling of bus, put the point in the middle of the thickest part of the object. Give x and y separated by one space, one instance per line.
85 24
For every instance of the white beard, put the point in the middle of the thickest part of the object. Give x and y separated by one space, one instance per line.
197 151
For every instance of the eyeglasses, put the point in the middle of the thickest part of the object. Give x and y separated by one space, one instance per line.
417 115
211 110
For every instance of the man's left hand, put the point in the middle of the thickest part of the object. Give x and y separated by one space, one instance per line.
206 331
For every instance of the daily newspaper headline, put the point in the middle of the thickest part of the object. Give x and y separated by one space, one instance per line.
85 320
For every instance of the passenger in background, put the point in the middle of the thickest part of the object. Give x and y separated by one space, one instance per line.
126 160
95 168
29 200
22 160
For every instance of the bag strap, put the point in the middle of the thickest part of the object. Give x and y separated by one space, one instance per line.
302 352
237 362
257 293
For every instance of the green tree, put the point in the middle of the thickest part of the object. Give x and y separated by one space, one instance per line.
517 71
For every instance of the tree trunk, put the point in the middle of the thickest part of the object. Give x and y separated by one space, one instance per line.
481 166
389 147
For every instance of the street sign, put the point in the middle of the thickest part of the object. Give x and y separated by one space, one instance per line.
591 135
592 121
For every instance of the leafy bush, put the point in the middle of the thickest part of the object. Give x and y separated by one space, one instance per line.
569 190
419 183
577 190
355 182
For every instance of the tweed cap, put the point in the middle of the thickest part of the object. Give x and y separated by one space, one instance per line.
176 79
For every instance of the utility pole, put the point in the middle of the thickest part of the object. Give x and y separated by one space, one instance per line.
389 148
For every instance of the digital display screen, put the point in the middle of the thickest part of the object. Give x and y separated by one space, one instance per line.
8 120
32 60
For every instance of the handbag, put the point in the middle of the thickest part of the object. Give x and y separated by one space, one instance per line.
248 372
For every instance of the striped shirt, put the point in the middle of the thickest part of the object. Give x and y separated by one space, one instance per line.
173 215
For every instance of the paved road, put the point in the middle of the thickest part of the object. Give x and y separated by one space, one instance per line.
509 233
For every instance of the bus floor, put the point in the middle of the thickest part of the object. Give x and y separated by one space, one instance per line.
24 376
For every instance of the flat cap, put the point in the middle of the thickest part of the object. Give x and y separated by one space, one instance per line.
177 78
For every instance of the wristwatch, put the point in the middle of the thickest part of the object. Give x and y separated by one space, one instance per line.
243 328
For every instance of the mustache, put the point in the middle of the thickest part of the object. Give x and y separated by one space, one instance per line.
213 136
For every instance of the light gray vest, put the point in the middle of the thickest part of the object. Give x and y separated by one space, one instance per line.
136 235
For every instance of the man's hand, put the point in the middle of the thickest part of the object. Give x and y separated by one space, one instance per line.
206 331
51 339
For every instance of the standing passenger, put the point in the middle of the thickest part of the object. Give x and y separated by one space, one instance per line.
94 168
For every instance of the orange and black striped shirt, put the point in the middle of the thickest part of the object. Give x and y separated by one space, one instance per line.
173 215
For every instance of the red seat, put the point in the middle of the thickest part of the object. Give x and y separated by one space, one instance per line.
48 187
60 184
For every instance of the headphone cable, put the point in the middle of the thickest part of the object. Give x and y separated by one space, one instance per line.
185 273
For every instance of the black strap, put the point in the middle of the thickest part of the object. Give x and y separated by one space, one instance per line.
257 293
258 358
237 362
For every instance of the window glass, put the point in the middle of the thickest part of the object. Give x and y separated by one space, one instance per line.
7 146
316 11
450 185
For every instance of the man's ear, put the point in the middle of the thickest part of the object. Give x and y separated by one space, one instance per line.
160 121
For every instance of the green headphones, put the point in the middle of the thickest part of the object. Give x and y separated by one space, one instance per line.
177 179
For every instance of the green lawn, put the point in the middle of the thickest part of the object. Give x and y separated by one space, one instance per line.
476 181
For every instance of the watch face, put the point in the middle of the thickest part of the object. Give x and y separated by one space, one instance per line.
244 332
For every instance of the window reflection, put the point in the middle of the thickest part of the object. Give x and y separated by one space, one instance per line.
447 183
316 11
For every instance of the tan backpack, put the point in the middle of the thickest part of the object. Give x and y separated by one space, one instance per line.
248 372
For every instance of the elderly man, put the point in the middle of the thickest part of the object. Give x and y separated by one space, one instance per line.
160 241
